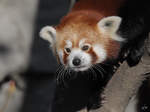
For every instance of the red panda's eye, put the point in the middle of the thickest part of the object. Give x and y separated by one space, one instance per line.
68 50
85 47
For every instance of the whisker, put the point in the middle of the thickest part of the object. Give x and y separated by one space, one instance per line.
94 73
99 66
58 69
63 75
59 75
89 74
99 71
105 64
68 73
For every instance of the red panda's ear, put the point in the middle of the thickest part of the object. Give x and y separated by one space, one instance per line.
109 24
48 33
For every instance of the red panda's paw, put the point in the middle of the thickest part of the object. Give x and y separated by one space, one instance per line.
136 51
135 56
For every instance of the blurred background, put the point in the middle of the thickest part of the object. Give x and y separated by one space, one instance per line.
24 57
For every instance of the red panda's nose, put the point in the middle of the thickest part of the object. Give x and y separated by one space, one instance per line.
76 61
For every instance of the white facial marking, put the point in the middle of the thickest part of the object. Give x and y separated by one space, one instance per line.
81 43
84 57
101 52
61 55
68 44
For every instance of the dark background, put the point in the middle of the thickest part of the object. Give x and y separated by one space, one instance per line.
41 72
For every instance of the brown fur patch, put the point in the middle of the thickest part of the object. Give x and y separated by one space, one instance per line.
81 23
91 11
113 49
65 57
93 55
103 6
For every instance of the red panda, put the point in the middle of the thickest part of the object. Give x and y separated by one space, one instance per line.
87 35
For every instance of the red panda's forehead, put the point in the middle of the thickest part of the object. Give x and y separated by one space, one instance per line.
75 34
76 42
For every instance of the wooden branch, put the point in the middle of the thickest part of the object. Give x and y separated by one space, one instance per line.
123 85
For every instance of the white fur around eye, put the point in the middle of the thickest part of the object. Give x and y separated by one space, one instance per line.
68 44
86 45
67 50
101 53
81 43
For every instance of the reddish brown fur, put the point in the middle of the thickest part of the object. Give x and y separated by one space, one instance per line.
82 21
112 48
91 11
106 6
94 55
65 57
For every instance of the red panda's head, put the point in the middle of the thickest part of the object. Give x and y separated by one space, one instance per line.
79 45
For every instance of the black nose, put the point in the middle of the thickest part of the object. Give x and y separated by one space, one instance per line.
76 62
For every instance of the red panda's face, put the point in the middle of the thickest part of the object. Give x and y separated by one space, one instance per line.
80 46
82 55
79 49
